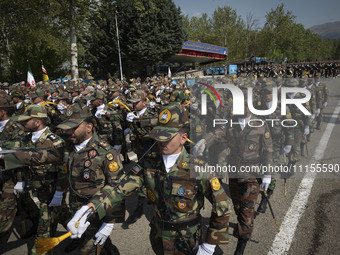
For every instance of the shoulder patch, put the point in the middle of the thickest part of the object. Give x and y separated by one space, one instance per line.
113 166
109 156
215 183
136 169
267 135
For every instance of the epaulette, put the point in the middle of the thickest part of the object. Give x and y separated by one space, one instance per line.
105 145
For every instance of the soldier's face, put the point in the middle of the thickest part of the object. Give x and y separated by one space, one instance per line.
268 97
31 125
139 106
80 134
173 146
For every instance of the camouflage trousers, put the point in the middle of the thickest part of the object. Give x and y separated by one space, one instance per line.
180 242
295 153
9 206
48 216
244 193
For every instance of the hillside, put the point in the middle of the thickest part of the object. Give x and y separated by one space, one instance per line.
328 30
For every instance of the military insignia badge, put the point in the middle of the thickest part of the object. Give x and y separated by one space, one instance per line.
105 125
182 191
134 94
69 112
87 163
182 204
151 196
266 135
252 146
86 175
113 166
136 169
172 98
184 164
164 116
307 104
92 153
288 115
215 183
109 156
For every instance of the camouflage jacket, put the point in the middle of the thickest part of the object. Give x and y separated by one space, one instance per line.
177 196
321 94
108 126
302 119
45 165
252 145
91 168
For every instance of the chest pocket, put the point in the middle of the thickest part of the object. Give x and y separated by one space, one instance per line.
183 195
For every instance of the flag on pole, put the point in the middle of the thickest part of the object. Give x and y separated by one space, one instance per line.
30 78
44 74
169 72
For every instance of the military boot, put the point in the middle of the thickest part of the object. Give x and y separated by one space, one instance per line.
263 205
241 245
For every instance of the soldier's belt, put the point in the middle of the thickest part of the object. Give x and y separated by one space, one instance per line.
165 225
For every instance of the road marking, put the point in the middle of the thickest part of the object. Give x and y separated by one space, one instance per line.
284 238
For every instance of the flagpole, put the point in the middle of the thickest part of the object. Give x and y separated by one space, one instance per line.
120 58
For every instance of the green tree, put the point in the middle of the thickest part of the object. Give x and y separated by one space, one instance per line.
147 36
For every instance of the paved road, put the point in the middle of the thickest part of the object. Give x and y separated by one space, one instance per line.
308 216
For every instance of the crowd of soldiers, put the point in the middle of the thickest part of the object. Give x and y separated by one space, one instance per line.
329 69
76 138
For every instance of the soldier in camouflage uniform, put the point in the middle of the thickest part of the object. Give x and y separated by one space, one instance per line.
90 163
321 96
303 123
176 191
46 175
282 137
11 136
108 122
18 98
249 146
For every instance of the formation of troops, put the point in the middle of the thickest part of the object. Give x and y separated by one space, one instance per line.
74 140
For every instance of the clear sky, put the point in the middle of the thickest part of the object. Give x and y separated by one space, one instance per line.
307 12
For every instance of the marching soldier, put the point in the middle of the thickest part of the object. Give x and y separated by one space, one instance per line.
46 175
90 163
11 136
176 193
321 95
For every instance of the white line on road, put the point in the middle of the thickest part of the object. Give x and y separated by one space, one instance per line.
283 239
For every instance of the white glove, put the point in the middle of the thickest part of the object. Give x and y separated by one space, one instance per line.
83 224
99 114
130 116
19 187
158 100
306 132
116 147
199 148
57 198
152 105
312 117
317 111
126 131
206 249
103 233
324 105
266 179
286 149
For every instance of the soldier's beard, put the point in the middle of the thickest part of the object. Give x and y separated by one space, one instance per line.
77 139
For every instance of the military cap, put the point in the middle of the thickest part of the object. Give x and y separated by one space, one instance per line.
170 121
33 111
137 96
5 101
75 116
292 82
114 88
37 93
98 94
64 95
267 89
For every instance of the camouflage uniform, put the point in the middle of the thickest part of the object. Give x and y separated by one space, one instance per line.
177 195
321 96
90 169
46 173
11 137
251 146
108 122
